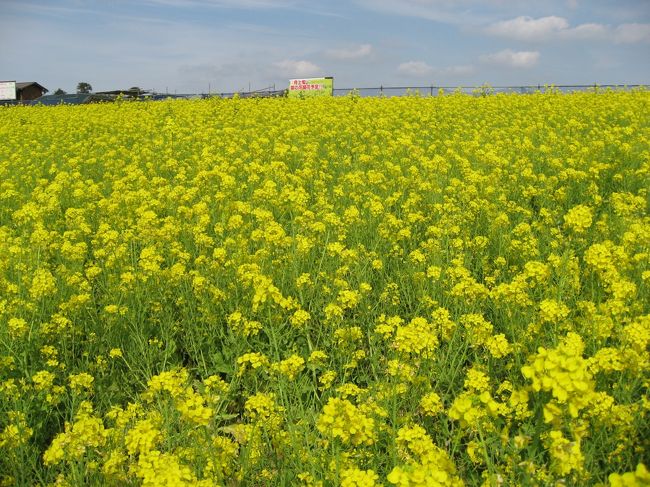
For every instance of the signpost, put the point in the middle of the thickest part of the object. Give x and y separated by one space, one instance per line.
310 87
7 90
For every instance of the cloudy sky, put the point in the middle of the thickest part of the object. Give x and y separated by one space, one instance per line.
188 46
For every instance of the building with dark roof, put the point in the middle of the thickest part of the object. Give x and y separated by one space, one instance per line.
29 90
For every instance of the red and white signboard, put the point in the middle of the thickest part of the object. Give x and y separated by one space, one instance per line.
311 87
305 84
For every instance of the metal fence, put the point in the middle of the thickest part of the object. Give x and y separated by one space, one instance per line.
433 90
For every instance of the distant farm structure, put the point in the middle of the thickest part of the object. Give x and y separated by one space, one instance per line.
16 92
29 90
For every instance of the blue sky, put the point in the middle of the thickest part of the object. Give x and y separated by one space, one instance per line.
189 46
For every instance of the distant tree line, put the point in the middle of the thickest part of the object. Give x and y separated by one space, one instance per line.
82 87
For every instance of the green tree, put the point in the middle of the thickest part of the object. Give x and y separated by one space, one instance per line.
60 91
84 87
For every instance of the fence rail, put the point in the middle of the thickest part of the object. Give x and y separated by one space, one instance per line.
433 90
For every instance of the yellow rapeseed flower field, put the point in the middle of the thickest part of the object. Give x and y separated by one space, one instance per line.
434 291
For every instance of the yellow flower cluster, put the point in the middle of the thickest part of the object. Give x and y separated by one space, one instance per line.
342 419
565 454
290 367
87 431
427 465
418 337
638 478
355 477
579 218
17 432
564 372
431 404
187 401
552 311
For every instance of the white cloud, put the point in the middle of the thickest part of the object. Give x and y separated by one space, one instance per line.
513 59
632 33
347 54
415 68
529 29
475 14
290 67
558 28
586 31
